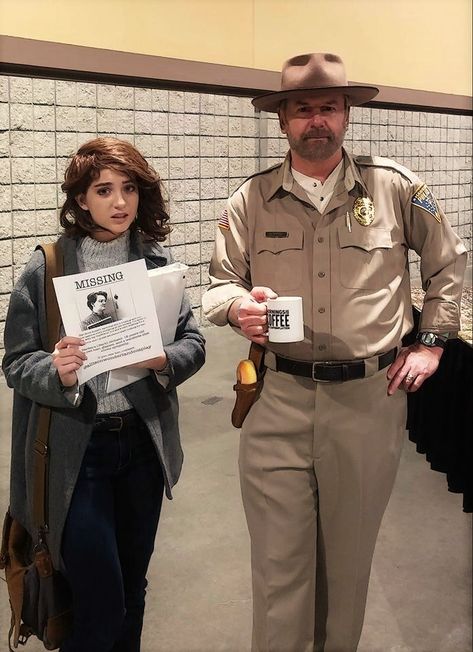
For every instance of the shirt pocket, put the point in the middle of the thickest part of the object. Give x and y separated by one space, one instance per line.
365 257
279 261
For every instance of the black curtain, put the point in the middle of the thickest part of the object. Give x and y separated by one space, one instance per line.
440 416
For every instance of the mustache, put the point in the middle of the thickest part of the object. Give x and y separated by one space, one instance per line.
318 133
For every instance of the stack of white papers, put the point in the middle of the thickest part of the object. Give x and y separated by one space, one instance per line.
167 285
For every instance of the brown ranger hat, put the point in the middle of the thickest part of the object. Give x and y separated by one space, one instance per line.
314 73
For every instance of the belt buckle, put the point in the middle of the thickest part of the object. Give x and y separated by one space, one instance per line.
40 447
314 378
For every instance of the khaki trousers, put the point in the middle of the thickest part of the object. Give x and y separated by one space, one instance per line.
317 467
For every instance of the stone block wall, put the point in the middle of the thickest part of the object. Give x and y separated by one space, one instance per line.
202 145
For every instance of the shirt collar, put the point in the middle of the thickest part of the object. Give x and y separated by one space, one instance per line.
284 179
328 185
352 174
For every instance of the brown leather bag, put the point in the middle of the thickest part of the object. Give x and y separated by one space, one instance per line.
247 394
40 598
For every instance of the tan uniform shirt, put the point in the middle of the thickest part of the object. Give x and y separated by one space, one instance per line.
353 278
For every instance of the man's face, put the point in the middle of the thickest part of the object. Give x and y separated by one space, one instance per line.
99 305
315 126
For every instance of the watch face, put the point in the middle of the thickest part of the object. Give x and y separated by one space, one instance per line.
431 339
428 339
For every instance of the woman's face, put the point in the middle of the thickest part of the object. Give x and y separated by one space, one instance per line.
112 201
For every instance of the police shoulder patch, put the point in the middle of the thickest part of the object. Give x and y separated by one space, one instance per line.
423 198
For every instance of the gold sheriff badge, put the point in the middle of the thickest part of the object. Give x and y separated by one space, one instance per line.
363 211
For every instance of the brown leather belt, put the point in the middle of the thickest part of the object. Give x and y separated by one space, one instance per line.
331 372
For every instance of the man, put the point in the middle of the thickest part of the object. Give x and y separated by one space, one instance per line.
320 448
97 302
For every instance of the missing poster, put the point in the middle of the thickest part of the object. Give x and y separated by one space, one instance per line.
113 310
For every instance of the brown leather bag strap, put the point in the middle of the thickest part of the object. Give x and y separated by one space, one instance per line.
7 521
54 266
41 469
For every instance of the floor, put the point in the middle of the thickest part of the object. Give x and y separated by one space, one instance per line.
199 597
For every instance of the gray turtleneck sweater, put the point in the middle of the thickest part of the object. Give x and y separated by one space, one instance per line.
92 255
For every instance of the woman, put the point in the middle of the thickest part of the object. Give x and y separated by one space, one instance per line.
111 455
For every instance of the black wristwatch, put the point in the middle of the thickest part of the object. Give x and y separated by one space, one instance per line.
432 339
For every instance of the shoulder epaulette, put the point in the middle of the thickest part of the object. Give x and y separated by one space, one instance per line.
257 174
382 162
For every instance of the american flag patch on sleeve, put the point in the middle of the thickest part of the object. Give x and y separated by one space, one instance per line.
423 198
223 222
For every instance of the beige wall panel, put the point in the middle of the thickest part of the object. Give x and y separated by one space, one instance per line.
215 31
418 44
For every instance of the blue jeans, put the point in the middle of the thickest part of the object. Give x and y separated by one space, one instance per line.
109 535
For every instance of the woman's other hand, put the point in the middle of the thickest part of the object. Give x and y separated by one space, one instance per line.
157 364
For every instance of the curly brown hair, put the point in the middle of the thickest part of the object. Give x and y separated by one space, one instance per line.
120 156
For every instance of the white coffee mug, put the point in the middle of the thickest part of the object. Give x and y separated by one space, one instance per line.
285 319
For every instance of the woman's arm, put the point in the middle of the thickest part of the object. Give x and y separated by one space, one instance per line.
186 354
28 368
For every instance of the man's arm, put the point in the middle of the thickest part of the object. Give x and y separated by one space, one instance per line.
230 274
443 262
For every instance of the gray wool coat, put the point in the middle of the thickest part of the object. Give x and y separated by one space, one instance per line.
29 371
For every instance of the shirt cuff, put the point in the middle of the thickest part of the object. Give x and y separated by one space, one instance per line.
72 394
163 375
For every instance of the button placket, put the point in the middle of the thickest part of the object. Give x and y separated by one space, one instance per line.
321 293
